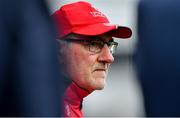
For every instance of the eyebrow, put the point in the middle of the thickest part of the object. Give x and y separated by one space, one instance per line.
104 39
90 38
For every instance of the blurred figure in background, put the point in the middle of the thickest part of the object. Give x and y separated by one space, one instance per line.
86 51
158 56
30 83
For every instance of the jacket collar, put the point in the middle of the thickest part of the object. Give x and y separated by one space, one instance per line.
74 94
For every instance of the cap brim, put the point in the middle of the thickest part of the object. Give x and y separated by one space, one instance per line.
122 32
101 28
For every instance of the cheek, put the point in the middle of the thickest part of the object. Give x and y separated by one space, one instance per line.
83 71
79 65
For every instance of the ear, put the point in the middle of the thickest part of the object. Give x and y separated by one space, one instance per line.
61 46
62 52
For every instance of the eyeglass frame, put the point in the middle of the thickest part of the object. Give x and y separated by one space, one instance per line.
112 45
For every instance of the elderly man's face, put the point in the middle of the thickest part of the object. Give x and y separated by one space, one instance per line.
86 69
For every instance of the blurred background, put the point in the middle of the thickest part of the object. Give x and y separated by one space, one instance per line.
144 79
122 95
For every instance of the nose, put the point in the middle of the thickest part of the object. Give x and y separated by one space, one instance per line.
105 55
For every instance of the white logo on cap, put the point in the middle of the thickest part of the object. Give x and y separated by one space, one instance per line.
96 13
94 7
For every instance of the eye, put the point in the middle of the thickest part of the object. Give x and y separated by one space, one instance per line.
93 43
97 44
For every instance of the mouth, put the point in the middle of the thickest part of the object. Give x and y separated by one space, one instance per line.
100 73
100 70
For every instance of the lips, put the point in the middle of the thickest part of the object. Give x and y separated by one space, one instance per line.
101 70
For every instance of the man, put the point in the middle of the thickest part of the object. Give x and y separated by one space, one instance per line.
86 48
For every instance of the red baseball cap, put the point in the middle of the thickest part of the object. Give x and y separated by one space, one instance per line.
84 19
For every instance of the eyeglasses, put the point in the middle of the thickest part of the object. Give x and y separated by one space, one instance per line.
95 44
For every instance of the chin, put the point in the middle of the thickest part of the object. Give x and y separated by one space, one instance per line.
100 86
96 87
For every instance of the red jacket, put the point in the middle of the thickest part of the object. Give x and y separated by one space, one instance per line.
72 100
